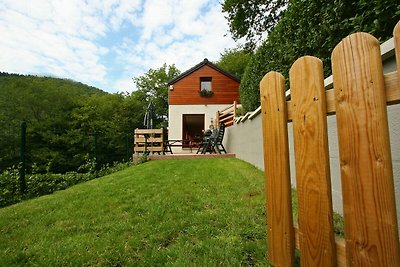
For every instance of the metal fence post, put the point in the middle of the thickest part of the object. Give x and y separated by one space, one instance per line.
95 137
128 150
22 183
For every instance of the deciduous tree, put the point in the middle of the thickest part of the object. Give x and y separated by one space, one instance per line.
314 27
251 19
153 87
234 61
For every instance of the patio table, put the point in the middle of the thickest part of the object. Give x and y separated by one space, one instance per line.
168 144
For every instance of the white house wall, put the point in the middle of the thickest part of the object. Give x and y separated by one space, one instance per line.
175 113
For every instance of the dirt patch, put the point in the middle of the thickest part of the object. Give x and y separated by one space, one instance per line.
253 194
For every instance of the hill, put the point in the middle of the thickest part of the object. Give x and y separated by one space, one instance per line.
63 117
13 81
202 212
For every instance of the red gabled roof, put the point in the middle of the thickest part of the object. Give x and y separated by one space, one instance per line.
198 66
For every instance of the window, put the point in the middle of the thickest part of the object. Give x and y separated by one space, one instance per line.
205 83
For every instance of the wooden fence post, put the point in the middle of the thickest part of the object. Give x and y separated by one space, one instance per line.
316 236
277 173
365 159
396 35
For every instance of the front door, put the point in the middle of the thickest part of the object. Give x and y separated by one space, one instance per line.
192 128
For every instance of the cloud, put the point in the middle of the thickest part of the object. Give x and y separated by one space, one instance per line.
57 38
183 34
106 43
124 85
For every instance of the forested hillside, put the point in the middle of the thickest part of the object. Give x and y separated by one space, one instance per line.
63 117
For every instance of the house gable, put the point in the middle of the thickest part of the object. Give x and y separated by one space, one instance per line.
186 87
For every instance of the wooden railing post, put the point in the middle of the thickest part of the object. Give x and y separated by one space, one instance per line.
234 109
365 159
277 174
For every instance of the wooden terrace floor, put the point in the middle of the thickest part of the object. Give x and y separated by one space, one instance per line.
185 156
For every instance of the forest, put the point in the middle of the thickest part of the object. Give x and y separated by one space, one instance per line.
69 122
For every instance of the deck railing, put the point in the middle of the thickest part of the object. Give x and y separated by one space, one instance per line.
227 115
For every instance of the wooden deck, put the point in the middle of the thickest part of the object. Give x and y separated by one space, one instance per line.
186 156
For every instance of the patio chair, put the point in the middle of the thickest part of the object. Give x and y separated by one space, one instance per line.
214 143
218 146
204 142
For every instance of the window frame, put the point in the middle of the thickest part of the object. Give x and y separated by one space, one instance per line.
206 80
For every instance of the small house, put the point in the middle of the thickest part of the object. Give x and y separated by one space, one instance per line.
195 96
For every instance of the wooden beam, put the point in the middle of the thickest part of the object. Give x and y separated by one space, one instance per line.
277 173
317 243
149 148
141 139
365 159
226 119
148 131
392 86
396 36
340 247
228 107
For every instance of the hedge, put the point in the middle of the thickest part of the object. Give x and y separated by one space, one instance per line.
43 184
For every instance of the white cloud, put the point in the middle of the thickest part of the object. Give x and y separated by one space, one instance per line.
53 37
157 14
187 39
124 10
106 43
124 85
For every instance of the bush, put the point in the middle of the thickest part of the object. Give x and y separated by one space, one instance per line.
44 184
9 187
314 28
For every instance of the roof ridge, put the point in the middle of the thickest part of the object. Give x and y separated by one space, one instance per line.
198 66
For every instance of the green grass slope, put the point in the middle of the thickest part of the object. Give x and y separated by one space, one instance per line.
203 212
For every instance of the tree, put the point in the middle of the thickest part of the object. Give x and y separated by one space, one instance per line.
250 19
314 27
152 86
63 116
234 61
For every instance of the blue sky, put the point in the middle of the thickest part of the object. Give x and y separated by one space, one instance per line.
105 43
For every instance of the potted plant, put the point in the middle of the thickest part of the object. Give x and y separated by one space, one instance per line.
206 93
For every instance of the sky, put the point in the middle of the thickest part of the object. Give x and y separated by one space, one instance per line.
106 43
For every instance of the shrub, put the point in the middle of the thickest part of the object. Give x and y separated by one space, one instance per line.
43 184
9 187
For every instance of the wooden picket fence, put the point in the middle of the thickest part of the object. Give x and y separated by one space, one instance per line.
227 115
359 99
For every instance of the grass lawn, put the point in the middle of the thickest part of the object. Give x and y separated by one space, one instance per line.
203 212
